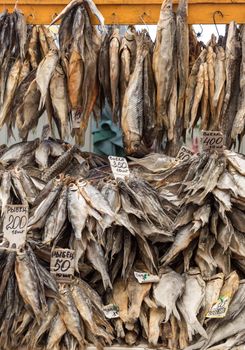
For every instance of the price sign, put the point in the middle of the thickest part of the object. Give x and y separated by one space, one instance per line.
184 154
212 141
219 309
15 224
144 277
62 264
119 167
111 311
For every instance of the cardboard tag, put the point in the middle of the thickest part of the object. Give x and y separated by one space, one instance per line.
212 141
15 224
62 264
220 308
144 277
119 167
111 311
184 154
76 119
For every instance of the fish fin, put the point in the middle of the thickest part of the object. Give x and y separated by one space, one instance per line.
194 327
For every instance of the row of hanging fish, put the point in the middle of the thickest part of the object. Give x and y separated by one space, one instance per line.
156 91
181 223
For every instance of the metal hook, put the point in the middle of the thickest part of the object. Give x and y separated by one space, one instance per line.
114 22
143 21
199 34
31 15
214 14
54 15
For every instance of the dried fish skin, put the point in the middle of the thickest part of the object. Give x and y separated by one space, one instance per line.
191 302
182 40
239 121
166 293
133 105
59 99
114 46
163 61
27 284
45 72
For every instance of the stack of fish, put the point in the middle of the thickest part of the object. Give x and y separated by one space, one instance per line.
184 231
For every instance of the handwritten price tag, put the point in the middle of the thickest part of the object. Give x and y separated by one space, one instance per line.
62 264
184 154
212 141
219 309
111 311
119 167
15 224
144 277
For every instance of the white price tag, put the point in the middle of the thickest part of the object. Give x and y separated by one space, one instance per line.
219 309
184 154
15 224
62 264
119 167
212 141
144 277
111 311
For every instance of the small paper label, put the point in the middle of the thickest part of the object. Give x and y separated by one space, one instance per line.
76 119
144 277
184 154
212 141
62 264
15 224
119 167
111 311
219 309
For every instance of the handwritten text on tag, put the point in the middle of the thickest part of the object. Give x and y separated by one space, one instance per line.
184 154
219 309
62 264
212 141
15 224
119 167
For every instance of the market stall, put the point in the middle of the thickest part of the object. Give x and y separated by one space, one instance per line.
112 252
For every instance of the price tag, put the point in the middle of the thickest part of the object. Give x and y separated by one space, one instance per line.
76 119
111 311
119 167
184 154
62 264
15 224
212 141
144 277
219 309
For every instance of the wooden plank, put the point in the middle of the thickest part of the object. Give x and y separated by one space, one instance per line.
133 11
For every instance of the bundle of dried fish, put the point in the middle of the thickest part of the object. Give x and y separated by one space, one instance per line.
74 318
138 119
24 287
79 45
92 219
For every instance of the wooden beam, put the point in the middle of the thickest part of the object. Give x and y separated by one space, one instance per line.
133 11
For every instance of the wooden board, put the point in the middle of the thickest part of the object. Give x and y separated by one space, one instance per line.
133 11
